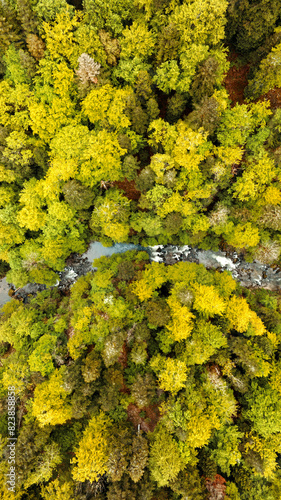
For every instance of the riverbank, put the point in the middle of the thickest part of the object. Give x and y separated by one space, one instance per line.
249 275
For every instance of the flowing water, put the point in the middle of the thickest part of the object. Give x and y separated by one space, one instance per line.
252 274
4 290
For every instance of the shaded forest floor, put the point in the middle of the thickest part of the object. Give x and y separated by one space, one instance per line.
236 81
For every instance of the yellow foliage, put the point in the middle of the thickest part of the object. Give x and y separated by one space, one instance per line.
10 234
265 449
13 106
56 491
242 318
31 218
225 283
104 279
200 426
50 406
242 235
253 182
229 154
275 378
172 204
207 300
59 35
93 451
185 151
166 458
151 279
61 211
6 195
238 313
46 120
5 494
172 373
82 319
7 175
106 105
138 41
271 196
53 250
181 325
160 164
101 159
256 324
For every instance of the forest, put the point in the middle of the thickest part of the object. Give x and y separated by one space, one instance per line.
151 122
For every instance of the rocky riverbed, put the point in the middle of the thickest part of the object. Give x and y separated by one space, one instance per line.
250 275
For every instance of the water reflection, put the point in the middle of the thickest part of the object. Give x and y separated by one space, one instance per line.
4 289
97 250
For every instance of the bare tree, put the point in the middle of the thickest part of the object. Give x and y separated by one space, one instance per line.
88 69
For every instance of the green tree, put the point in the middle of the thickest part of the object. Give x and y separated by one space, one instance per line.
165 459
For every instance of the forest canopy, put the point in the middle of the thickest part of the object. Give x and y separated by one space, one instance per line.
145 382
150 122
117 125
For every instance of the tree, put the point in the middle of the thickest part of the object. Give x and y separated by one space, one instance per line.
88 69
110 216
264 410
249 24
105 107
207 301
165 459
92 454
226 452
56 491
192 25
181 325
45 465
240 315
78 196
137 41
172 373
139 457
50 405
120 448
242 235
150 279
205 340
41 358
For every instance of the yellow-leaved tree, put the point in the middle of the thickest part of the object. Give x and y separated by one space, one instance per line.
50 405
93 450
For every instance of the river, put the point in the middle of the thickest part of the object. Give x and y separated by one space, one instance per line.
252 274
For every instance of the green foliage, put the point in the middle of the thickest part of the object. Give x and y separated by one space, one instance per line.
227 452
116 125
147 377
267 76
264 410
250 23
166 460
41 358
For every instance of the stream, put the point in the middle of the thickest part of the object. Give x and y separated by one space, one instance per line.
252 274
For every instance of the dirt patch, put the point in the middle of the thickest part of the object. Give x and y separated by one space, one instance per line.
129 188
148 422
273 96
236 80
10 351
123 358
